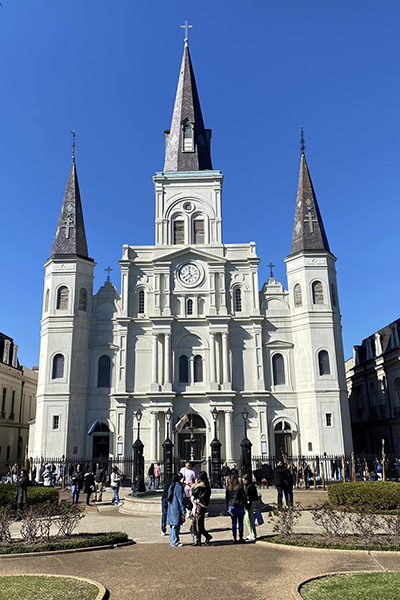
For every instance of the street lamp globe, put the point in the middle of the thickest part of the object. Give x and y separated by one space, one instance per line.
245 414
138 415
168 414
214 413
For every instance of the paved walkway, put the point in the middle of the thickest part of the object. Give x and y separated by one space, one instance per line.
221 570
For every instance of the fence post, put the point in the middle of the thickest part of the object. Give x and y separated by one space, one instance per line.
323 476
343 469
298 470
353 468
314 475
383 460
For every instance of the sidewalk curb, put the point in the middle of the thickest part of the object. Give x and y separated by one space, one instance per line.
297 595
102 593
67 551
313 549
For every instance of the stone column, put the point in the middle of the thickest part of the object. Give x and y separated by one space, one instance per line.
167 362
153 436
213 374
228 436
154 366
225 362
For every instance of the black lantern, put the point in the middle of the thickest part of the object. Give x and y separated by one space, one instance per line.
138 459
215 454
167 447
246 447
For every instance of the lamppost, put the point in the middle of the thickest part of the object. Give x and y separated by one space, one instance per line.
246 447
167 446
138 460
215 454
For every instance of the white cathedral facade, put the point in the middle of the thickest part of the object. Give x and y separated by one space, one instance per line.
190 329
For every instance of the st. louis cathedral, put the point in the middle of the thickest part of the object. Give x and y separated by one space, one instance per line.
190 329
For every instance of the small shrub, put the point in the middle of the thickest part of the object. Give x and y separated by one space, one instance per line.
283 519
6 518
377 495
68 517
334 523
30 526
35 494
83 540
366 524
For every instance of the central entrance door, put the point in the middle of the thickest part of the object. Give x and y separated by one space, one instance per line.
192 441
101 441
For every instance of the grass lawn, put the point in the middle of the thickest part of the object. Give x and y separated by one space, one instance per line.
48 588
356 586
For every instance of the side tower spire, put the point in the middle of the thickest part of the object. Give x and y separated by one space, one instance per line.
187 143
70 236
308 231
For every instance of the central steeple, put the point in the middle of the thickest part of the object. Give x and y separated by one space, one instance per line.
187 143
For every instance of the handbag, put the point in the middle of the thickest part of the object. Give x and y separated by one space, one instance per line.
258 518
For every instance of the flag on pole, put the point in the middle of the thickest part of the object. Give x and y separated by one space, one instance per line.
93 426
180 424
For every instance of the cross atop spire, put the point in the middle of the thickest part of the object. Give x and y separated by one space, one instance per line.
186 27
302 140
73 144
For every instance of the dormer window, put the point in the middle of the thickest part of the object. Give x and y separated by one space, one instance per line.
188 137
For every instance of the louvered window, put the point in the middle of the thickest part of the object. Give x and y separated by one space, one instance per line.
198 369
188 138
62 298
323 362
58 367
317 293
179 232
278 368
298 298
46 302
83 299
189 307
199 231
333 295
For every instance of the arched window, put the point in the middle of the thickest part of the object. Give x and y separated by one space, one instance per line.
188 137
183 369
46 301
141 302
83 299
323 363
283 440
104 372
317 293
298 298
278 369
179 232
62 298
58 367
189 306
198 231
333 295
198 369
238 300
310 446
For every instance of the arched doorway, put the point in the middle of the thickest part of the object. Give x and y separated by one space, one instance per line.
101 441
192 442
283 440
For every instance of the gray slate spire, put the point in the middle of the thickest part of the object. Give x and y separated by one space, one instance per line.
308 230
187 111
70 237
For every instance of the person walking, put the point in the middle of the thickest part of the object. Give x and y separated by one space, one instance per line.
48 477
200 494
99 481
235 502
278 481
115 481
150 473
88 485
157 475
164 505
76 483
176 510
225 474
251 498
23 483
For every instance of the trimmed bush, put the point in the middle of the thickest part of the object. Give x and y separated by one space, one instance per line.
35 494
377 495
80 540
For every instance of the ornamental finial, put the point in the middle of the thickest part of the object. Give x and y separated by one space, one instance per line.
73 145
302 140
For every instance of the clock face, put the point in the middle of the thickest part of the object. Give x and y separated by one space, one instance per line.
189 274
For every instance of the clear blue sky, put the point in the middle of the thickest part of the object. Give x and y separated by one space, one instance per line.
109 70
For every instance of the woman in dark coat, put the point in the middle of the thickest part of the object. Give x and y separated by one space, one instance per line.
77 484
88 485
23 483
200 494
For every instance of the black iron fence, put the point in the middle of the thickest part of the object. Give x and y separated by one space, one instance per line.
307 470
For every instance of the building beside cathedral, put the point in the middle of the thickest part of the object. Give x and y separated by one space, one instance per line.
190 329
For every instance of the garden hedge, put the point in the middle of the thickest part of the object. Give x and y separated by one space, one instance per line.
79 540
380 495
35 495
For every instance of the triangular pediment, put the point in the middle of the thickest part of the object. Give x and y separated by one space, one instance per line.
194 251
278 344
